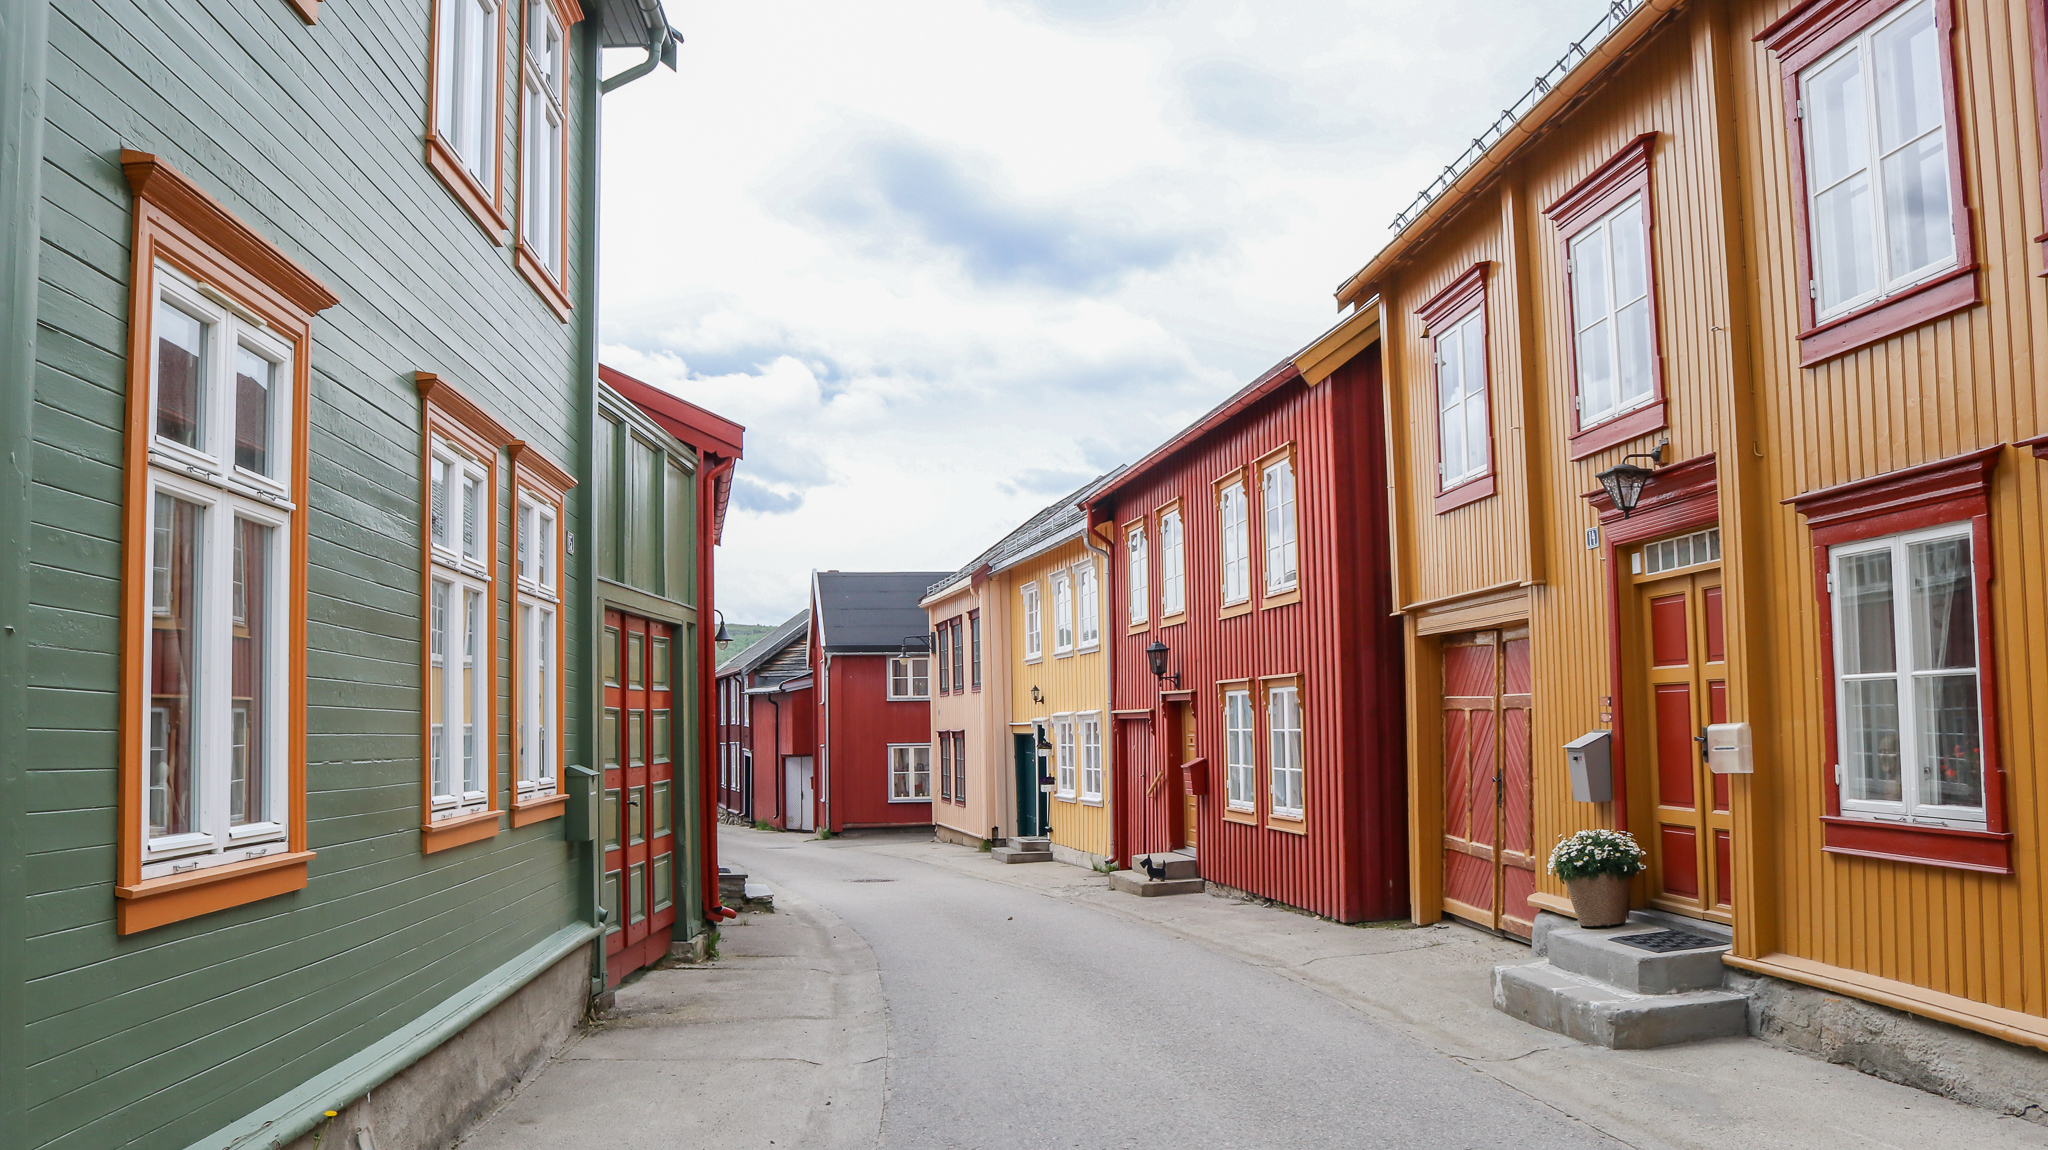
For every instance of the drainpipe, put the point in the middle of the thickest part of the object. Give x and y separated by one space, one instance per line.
1107 726
661 49
824 764
775 756
707 685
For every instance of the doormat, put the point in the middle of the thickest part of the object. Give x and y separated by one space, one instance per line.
1664 941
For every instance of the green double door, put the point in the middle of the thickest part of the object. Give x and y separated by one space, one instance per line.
1031 813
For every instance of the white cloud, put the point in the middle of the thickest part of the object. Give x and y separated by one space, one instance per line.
947 258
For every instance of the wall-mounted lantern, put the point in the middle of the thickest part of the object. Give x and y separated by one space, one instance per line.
724 637
1625 481
1156 655
1037 696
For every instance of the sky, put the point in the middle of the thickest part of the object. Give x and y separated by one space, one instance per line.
947 260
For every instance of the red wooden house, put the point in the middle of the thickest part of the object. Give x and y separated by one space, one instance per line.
767 742
1251 567
870 657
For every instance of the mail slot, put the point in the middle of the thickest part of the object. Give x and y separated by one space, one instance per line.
1592 766
1728 751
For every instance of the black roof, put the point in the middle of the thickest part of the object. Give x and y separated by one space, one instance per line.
795 629
871 612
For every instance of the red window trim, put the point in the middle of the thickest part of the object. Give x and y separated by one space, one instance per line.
974 656
2039 444
1462 297
1945 491
1626 173
2037 36
1805 34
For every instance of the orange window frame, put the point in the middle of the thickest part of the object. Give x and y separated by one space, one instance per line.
1258 472
536 475
1174 508
485 205
177 223
1241 478
1292 824
450 415
1143 530
553 289
1232 814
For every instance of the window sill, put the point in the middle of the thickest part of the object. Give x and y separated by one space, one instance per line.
1282 599
458 831
1063 798
1989 852
1173 620
1923 303
1620 429
1233 610
539 810
1088 802
1470 491
1034 659
1138 628
1059 654
473 196
925 800
551 293
1087 649
1240 816
909 698
174 898
1292 824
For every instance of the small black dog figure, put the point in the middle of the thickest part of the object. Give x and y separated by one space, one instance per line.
1153 870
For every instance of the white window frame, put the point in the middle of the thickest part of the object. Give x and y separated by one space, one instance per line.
1063 755
1240 751
1906 674
467 74
1062 614
1090 725
910 772
1087 607
1234 543
1461 400
1034 623
540 663
1584 319
1887 281
207 475
910 677
1139 566
1173 573
544 136
1283 551
1285 776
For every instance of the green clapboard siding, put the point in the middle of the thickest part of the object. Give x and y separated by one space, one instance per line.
312 135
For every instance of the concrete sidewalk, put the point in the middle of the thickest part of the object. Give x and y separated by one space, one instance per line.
781 1041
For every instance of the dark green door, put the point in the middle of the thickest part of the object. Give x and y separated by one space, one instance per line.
1028 797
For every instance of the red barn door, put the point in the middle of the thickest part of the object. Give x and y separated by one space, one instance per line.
640 800
1489 852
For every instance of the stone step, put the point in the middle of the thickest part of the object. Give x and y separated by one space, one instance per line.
1014 855
760 897
1177 863
1595 954
1579 1007
1136 882
1030 844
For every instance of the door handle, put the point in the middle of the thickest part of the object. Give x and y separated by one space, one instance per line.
1701 739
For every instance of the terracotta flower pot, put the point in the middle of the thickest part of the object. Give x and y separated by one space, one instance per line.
1599 901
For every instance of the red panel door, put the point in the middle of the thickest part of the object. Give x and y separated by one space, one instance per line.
1686 686
637 659
1488 832
1517 801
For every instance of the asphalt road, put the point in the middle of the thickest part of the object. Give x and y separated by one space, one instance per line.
1020 1020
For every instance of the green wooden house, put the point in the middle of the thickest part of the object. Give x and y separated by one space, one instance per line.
301 700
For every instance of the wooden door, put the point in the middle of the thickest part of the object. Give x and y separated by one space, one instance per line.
1191 805
637 658
1489 823
1685 688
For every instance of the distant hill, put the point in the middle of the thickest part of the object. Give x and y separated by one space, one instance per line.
744 635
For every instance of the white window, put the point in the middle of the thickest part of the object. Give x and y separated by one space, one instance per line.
1874 113
910 773
1034 625
539 669
910 677
466 76
1463 444
460 664
1276 488
1234 537
1609 269
1091 757
1239 750
543 149
1063 755
1173 598
1062 614
1283 736
1088 605
1907 696
1141 591
219 524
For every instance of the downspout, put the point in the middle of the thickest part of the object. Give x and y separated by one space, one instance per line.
660 50
824 766
1107 727
24 41
775 757
707 510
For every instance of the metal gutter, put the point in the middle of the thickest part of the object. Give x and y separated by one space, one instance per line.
1107 731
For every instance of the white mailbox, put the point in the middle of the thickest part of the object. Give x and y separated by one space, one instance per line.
1728 750
1592 770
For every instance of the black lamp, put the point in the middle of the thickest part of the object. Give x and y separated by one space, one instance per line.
724 637
1037 696
1625 481
1156 654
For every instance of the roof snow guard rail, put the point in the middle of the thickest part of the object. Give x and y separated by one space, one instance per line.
1617 13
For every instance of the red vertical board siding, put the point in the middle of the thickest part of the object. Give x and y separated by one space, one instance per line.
863 723
1340 638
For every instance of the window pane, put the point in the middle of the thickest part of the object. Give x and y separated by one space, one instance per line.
1451 430
1944 621
437 501
249 767
1869 646
1477 446
1632 332
471 530
1596 373
1844 242
1906 56
1870 727
1450 376
1951 748
1473 336
180 375
1625 236
1916 206
437 689
1834 123
173 665
254 377
472 687
1589 277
